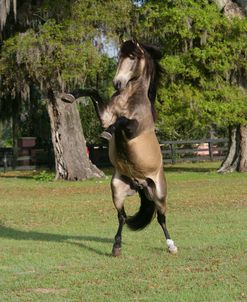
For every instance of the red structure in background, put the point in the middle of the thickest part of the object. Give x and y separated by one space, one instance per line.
26 152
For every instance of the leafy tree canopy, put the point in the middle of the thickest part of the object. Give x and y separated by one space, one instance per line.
63 51
204 62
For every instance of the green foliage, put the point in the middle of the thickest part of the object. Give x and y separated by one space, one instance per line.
204 66
90 122
44 176
5 135
50 57
64 54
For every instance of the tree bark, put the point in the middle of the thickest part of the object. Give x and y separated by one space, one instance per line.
236 159
243 147
231 161
71 159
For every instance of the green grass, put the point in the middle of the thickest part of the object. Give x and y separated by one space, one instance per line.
56 239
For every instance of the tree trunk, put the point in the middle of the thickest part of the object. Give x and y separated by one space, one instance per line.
71 159
231 161
236 159
243 149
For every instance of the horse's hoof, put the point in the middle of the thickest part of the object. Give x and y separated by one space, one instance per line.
106 135
67 97
116 252
173 249
171 246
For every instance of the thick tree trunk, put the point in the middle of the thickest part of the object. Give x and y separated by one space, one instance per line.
236 159
231 161
71 159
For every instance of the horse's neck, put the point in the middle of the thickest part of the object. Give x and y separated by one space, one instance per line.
139 85
135 90
134 103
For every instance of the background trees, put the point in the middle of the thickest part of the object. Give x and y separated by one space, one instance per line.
204 67
56 46
57 54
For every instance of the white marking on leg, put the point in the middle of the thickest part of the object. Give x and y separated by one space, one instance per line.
171 246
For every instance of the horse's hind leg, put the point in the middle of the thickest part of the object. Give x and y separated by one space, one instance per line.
158 190
162 221
120 189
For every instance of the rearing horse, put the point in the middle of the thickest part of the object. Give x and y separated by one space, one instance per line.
134 150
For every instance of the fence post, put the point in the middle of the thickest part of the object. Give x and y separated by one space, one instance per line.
210 149
173 153
5 162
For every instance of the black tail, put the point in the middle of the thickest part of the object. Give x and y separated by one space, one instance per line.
145 214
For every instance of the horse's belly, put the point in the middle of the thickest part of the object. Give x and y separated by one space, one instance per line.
141 158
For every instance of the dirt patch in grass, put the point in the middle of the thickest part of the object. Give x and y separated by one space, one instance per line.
49 290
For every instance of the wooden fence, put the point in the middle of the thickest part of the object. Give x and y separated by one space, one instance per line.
194 150
172 151
33 159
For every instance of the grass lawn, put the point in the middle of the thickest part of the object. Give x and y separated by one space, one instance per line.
56 240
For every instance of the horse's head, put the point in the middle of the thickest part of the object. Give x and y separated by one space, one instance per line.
135 60
130 64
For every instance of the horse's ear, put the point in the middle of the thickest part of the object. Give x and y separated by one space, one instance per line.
121 38
138 45
134 40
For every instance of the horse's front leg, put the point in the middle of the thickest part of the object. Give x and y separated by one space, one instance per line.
122 123
104 111
98 102
121 187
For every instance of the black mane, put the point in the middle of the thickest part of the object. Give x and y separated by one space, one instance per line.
153 69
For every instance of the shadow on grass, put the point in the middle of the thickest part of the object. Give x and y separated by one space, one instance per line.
10 233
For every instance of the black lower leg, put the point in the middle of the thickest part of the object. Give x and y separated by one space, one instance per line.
118 238
162 221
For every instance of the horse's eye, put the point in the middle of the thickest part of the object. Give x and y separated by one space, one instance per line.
132 57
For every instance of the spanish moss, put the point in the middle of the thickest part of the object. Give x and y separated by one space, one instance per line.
5 6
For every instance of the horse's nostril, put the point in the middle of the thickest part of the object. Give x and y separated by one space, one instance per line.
117 84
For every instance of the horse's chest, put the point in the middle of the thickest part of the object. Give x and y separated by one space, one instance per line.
140 158
122 109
